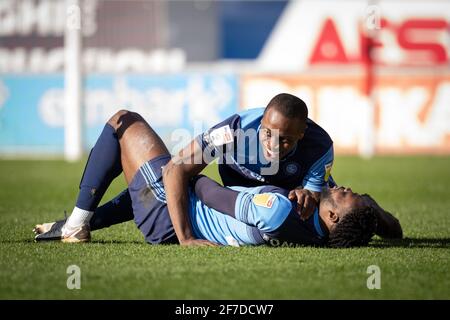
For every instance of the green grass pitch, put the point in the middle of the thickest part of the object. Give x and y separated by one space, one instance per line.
119 265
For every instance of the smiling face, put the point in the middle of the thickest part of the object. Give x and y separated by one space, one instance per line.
279 134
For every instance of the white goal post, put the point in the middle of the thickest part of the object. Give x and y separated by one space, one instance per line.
73 126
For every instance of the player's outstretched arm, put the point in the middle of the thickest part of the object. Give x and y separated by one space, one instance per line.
176 176
388 226
266 211
215 196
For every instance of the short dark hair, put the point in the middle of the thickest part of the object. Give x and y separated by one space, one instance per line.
289 106
356 229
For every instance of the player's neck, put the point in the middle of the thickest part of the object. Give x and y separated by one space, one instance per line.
323 225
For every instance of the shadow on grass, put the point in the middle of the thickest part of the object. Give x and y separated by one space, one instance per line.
117 242
377 243
412 243
91 242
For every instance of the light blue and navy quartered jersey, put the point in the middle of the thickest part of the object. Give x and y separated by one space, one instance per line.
241 162
250 216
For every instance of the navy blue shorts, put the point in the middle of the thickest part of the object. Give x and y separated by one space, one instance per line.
148 199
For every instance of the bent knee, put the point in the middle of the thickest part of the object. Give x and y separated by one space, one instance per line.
122 116
115 119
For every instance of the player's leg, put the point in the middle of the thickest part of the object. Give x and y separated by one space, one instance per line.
117 210
102 167
143 157
126 143
139 143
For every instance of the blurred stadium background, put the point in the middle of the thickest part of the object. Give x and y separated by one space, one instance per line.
375 74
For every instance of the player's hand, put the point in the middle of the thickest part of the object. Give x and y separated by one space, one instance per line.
198 242
305 202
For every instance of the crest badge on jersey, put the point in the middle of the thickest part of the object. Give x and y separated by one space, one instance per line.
221 136
292 168
328 167
265 200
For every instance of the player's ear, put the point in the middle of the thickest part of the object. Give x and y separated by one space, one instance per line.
333 216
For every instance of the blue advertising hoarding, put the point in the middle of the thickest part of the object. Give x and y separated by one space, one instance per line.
178 107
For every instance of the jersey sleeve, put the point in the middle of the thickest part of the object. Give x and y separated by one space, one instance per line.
266 211
214 195
214 140
317 176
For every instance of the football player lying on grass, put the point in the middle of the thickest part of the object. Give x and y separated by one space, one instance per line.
254 216
217 215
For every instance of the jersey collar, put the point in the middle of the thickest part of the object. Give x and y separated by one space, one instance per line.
317 224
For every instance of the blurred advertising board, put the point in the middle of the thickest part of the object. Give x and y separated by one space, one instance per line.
177 106
411 111
350 58
321 33
345 58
